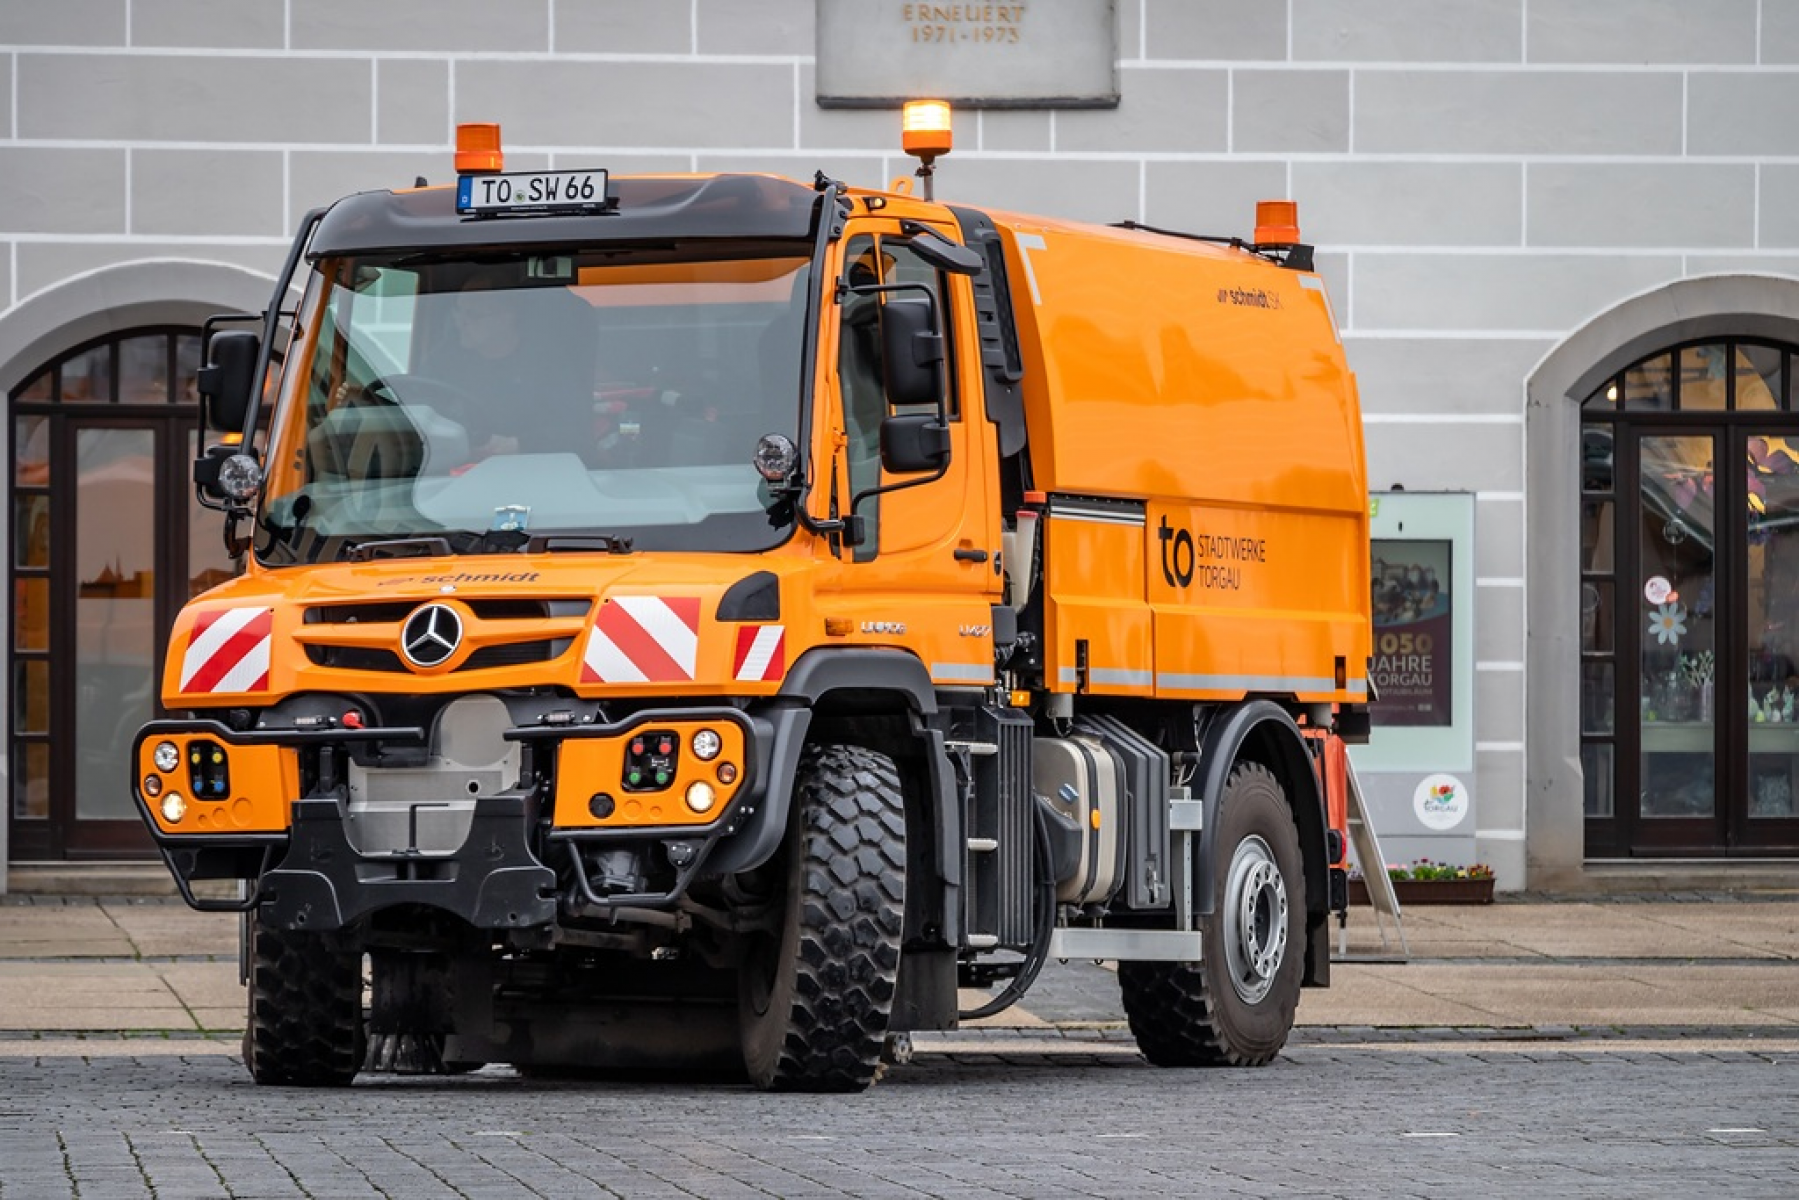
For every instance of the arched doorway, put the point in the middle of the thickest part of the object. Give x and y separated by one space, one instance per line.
106 546
1713 308
1689 585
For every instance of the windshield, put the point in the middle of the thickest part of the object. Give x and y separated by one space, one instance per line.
483 406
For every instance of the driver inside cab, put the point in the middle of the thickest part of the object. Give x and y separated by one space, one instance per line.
521 363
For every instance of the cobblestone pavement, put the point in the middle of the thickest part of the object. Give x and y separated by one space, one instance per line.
1017 1113
1530 1050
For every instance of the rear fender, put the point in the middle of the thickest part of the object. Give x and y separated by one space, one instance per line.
1261 731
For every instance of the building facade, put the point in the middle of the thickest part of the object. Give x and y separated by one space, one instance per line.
1562 238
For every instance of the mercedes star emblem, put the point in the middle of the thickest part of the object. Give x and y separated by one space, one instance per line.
430 635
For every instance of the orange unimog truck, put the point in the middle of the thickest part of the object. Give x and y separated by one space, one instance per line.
710 619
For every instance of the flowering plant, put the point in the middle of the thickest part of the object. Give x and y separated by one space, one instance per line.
1425 869
1698 668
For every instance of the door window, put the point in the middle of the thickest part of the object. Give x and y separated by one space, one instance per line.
114 552
859 365
1677 540
1771 622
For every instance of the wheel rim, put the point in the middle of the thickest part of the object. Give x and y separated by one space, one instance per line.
1255 919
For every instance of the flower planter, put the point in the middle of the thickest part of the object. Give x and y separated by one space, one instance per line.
1431 891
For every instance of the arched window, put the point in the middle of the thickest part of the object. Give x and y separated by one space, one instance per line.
1689 593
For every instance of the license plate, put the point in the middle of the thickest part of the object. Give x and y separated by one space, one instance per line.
531 191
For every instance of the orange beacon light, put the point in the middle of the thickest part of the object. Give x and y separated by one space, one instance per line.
925 134
478 149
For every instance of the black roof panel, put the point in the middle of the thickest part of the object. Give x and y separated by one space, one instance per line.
650 208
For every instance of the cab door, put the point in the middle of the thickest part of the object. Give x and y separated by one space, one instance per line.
926 572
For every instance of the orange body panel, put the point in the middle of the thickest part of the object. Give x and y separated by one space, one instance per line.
1093 580
1209 385
1255 601
589 765
913 618
263 780
1333 763
1336 790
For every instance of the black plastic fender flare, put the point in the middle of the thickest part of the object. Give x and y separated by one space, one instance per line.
1224 738
818 672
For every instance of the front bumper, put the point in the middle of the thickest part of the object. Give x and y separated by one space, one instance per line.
494 882
304 869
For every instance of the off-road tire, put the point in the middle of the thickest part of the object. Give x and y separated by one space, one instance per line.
1195 1015
305 1026
814 1003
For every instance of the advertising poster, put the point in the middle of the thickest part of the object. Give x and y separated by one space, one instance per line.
1412 664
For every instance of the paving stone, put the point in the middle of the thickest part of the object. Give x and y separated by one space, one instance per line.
1402 1079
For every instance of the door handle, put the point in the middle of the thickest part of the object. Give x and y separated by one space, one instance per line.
964 554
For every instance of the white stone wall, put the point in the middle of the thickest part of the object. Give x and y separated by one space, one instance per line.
1482 176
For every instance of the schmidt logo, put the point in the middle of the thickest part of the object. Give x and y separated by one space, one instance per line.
430 635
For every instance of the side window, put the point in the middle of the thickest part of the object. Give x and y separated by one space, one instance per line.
859 365
864 400
904 266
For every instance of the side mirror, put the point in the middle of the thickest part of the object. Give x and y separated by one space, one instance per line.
914 442
227 381
911 352
941 253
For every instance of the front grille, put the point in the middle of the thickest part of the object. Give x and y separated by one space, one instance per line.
501 608
360 614
354 658
491 612
506 609
516 654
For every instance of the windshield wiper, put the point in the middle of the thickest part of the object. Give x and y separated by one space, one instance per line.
550 543
499 541
403 547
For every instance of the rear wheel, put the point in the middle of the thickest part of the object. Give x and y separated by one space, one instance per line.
815 998
305 1023
1236 1006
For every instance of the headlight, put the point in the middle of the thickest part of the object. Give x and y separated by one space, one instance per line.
153 786
699 795
707 744
775 457
240 477
167 756
173 808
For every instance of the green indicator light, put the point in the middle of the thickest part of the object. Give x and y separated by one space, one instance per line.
661 776
634 777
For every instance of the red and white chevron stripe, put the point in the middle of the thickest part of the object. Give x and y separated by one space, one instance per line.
643 639
228 651
761 653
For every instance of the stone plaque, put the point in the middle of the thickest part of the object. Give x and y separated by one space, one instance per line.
1026 54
